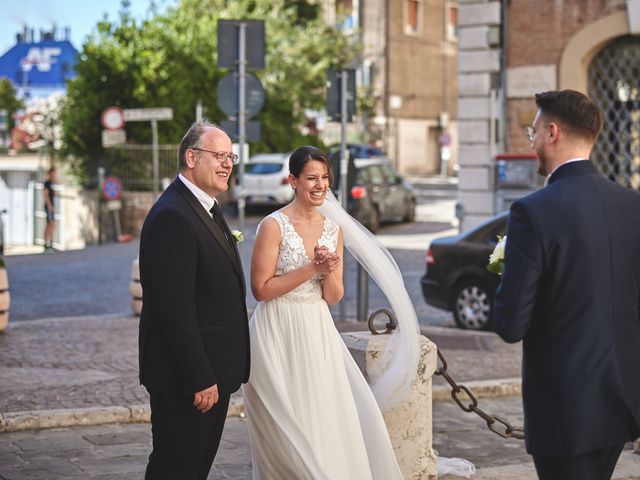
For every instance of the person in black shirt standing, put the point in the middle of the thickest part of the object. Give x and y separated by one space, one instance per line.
49 208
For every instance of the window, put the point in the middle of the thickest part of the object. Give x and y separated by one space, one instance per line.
452 24
263 168
390 175
413 16
375 175
346 15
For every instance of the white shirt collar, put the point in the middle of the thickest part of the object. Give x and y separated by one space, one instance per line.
571 160
206 200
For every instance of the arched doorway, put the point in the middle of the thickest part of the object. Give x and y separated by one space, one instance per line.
614 85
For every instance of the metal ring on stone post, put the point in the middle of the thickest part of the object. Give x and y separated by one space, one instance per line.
390 327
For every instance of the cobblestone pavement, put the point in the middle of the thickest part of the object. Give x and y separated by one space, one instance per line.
84 362
95 280
120 451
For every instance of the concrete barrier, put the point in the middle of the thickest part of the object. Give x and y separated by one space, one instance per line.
409 424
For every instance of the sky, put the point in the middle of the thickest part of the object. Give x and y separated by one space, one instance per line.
81 16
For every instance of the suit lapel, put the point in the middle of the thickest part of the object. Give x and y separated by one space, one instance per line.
213 228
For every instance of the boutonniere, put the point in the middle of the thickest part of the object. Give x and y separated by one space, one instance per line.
237 235
496 259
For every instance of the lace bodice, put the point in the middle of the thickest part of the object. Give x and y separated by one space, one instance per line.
293 255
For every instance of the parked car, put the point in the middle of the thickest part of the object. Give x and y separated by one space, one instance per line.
375 192
266 179
357 150
457 278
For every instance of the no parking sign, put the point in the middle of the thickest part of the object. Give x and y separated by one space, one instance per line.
111 188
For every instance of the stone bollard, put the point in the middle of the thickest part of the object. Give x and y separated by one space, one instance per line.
409 424
135 288
636 445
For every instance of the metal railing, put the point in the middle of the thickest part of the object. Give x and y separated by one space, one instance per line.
132 164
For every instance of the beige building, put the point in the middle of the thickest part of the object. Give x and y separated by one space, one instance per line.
407 68
508 51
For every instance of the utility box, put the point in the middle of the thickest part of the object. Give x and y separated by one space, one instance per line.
516 176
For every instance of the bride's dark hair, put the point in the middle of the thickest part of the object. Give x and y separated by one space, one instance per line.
303 155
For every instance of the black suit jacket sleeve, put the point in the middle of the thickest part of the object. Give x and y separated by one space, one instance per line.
172 273
516 295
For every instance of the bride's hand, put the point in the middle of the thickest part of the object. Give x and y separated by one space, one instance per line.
320 254
330 264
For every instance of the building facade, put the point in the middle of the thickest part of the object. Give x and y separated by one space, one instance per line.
508 51
407 70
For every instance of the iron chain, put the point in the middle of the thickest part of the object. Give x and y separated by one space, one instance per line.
492 420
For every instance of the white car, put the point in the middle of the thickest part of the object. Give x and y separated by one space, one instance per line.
266 179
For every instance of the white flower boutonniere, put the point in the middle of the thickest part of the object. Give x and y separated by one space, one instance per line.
237 235
496 259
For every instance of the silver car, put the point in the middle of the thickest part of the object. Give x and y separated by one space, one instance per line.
266 179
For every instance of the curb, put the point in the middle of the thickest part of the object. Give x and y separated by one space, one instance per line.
481 389
141 413
44 419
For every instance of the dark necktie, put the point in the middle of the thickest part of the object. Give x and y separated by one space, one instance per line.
216 214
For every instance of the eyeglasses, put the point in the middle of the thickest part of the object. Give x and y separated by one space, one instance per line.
531 131
221 157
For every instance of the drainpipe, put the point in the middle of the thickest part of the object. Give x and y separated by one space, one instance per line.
503 142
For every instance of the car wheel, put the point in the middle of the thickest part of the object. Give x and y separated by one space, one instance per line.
472 304
410 215
374 220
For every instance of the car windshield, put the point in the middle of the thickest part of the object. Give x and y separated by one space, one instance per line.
263 167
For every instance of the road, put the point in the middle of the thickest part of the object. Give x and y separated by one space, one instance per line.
95 280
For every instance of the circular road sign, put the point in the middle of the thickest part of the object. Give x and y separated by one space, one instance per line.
228 94
113 118
111 188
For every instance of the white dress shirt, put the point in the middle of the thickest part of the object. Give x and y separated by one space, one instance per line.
206 200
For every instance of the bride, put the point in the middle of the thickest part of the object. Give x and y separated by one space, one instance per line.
311 413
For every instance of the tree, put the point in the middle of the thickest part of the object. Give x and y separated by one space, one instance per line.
169 60
9 100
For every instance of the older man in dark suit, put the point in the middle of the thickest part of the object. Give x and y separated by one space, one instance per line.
194 343
571 292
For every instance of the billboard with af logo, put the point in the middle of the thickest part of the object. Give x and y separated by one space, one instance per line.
39 68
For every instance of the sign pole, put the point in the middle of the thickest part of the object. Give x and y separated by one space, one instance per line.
154 141
242 119
344 165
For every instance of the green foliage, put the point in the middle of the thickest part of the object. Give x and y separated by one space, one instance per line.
8 100
169 60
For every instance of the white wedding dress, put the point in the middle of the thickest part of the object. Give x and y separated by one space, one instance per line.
311 413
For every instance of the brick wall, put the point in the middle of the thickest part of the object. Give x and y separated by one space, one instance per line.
538 32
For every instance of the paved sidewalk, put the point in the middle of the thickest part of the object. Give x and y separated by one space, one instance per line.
72 383
120 451
84 370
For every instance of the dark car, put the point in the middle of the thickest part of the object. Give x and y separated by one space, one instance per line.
357 150
457 278
375 192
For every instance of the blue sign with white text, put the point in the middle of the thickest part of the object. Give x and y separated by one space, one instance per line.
39 67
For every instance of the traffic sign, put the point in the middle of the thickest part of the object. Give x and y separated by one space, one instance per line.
228 43
231 128
334 93
111 138
112 118
147 114
228 94
111 188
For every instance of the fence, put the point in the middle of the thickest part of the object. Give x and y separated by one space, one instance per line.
132 164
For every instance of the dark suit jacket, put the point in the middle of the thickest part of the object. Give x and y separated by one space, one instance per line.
193 325
571 291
